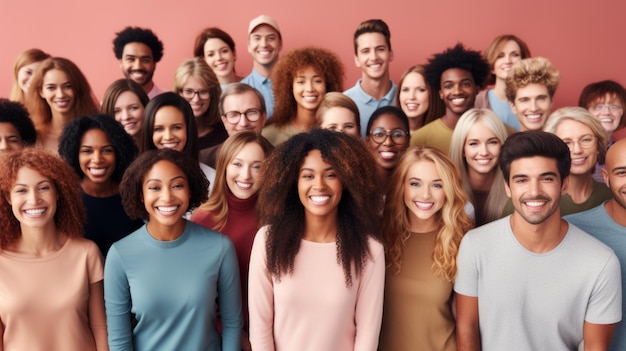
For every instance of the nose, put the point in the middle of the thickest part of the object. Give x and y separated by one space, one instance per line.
166 194
167 134
456 88
533 105
4 145
534 187
387 140
136 65
263 41
196 97
32 198
97 157
575 147
483 149
246 172
243 122
319 182
59 92
424 192
308 85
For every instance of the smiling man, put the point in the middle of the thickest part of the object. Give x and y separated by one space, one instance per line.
532 281
264 45
138 51
530 88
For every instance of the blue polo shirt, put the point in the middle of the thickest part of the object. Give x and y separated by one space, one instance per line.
367 104
264 86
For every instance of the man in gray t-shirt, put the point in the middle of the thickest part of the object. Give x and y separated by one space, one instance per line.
532 281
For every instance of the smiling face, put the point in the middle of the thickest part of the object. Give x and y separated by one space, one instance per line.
220 58
309 88
58 92
129 112
137 63
96 157
33 199
170 129
264 44
166 193
240 103
319 187
609 111
424 195
458 90
244 171
509 53
25 75
535 189
387 153
10 139
614 173
340 119
373 55
532 106
414 95
481 149
198 104
582 143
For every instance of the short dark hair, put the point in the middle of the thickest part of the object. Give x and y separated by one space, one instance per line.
456 57
131 187
137 35
372 26
534 143
16 114
123 144
388 110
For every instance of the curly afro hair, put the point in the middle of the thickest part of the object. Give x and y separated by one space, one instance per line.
456 57
70 212
123 144
131 187
137 35
16 114
322 60
280 207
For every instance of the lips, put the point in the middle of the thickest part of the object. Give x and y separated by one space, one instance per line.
411 106
172 145
319 199
167 210
97 172
458 101
310 98
425 206
35 212
578 161
387 155
483 162
62 103
243 185
535 204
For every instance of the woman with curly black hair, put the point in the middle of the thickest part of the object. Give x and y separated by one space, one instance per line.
99 150
316 270
300 80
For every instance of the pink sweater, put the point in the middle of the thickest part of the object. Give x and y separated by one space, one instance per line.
313 309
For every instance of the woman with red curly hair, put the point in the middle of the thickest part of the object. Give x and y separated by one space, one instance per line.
50 277
300 80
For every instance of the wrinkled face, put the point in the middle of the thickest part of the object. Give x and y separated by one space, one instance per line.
373 55
481 149
33 199
609 111
58 92
197 94
509 54
424 195
166 193
388 152
340 119
458 90
170 129
582 143
129 112
243 173
10 139
535 188
532 106
414 95
220 58
247 106
25 75
309 88
264 44
137 63
96 156
319 187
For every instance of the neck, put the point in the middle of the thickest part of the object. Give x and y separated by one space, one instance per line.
481 181
450 119
321 230
305 119
499 89
39 242
416 123
106 189
264 70
616 211
148 87
376 88
539 238
424 225
229 78
163 232
580 187
59 121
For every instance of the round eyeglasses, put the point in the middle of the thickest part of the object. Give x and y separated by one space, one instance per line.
397 136
251 114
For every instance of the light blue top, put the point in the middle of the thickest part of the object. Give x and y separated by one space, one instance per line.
503 110
599 224
172 289
264 86
367 104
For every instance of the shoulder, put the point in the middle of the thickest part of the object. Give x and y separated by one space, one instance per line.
586 216
591 245
490 231
85 245
426 130
376 248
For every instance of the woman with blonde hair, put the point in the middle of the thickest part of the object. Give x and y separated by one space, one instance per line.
422 226
339 113
58 94
416 98
195 81
25 66
474 149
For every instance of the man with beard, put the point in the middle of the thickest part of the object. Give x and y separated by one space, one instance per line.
532 281
607 222
138 51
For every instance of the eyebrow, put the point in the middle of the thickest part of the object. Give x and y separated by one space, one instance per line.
618 169
540 175
159 180
312 170
38 183
434 180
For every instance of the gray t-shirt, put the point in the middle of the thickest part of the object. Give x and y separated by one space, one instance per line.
531 301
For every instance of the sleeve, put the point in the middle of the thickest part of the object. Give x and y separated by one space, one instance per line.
466 281
605 303
369 304
229 298
117 301
94 263
260 297
97 316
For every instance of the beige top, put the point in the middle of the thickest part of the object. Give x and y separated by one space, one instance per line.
417 312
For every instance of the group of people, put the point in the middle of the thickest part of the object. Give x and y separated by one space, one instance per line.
280 212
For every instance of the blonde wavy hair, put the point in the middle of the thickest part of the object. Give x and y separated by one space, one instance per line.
454 221
535 70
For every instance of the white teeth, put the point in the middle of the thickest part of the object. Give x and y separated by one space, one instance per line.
167 209
35 211
412 107
309 98
606 120
483 162
169 145
97 171
579 160
458 100
244 186
386 155
535 203
320 198
424 205
533 118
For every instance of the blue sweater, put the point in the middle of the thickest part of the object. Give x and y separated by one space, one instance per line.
172 289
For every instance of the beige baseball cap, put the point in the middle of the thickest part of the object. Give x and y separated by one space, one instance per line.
263 19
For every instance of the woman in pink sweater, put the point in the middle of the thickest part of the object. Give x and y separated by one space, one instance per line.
317 271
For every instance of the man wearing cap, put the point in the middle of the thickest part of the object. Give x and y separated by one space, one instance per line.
264 44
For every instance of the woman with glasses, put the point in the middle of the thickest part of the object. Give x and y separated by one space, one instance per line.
195 82
387 138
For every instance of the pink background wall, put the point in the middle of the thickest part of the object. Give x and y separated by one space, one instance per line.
584 40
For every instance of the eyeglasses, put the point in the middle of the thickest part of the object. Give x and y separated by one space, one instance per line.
252 115
610 107
585 142
190 93
398 136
